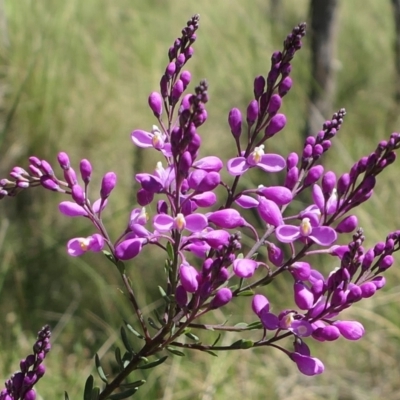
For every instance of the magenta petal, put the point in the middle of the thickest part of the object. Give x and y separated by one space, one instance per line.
272 163
228 218
323 235
244 268
351 330
74 248
237 166
308 365
142 138
163 222
71 209
129 248
99 203
270 321
245 201
96 242
259 303
205 199
189 278
287 233
210 163
303 296
196 222
217 238
318 197
280 195
166 150
269 212
223 296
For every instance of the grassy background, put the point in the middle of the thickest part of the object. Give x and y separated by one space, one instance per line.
79 73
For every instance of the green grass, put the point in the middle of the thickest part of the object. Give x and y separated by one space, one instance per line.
79 73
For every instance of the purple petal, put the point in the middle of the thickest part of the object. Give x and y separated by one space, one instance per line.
237 166
259 303
217 238
351 330
189 278
71 209
223 296
303 296
323 235
244 268
205 199
245 201
280 195
287 233
228 218
210 163
196 222
163 222
269 212
270 321
74 247
309 366
142 138
96 243
272 163
129 248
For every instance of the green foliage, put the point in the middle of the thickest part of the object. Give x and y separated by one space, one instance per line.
75 76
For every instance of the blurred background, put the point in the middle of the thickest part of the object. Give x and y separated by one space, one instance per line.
75 76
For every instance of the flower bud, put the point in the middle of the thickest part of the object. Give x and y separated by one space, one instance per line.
223 297
274 104
86 170
235 122
276 124
63 160
155 103
252 112
108 184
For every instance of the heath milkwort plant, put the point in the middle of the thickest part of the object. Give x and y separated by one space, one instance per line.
200 231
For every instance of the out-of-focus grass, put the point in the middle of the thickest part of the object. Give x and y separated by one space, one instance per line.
83 71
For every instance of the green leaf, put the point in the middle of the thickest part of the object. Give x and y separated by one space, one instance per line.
118 358
125 340
192 336
170 251
255 325
87 393
241 325
126 359
95 393
99 368
123 395
66 397
109 256
164 295
152 323
153 364
175 351
248 292
242 344
131 385
211 353
216 340
132 330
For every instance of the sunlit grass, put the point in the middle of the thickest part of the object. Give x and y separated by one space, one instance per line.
81 72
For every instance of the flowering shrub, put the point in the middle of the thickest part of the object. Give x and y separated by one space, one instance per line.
199 231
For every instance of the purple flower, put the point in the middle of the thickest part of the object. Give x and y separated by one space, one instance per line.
322 235
155 139
77 246
228 218
192 222
309 366
189 278
71 209
267 162
244 268
223 297
129 248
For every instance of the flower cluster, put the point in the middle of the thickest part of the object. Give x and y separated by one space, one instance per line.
20 385
200 232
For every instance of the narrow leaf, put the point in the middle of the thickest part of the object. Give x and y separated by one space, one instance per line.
118 358
245 293
152 323
66 397
216 340
153 364
170 251
87 393
123 395
95 393
255 325
131 385
99 368
241 325
192 336
175 351
211 353
132 330
242 344
125 340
